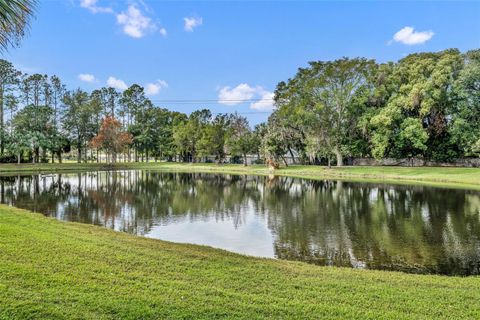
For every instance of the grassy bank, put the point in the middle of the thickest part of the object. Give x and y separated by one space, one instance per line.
52 269
460 177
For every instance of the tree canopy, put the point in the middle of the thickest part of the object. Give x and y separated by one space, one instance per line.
426 105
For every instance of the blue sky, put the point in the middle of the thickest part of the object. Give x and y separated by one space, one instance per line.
228 50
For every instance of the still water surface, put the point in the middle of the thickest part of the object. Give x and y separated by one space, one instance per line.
362 225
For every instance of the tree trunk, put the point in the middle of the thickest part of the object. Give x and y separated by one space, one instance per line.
2 125
272 164
339 156
44 155
291 155
79 154
245 159
19 157
37 155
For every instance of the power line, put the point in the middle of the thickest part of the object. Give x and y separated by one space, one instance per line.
209 101
237 112
253 112
214 101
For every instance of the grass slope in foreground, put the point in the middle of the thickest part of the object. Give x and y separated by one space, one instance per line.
461 177
52 269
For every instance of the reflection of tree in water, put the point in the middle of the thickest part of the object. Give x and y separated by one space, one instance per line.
412 228
303 220
131 201
202 197
416 229
37 193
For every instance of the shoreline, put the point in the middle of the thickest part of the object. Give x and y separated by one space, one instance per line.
452 177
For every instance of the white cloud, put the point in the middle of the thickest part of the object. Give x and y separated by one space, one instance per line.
154 88
91 5
244 92
116 83
408 35
86 77
134 23
232 96
265 103
192 22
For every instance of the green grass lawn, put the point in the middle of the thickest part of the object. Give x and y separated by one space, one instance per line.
459 177
59 270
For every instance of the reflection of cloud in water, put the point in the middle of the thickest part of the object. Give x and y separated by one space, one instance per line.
252 238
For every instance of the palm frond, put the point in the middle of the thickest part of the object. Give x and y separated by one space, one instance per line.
14 21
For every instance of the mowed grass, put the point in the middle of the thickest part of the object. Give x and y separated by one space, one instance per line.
58 270
448 176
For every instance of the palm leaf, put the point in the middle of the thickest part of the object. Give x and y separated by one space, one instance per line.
14 19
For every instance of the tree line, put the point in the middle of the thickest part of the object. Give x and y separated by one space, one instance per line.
425 105
40 121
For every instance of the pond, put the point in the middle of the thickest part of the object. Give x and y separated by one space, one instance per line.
417 229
